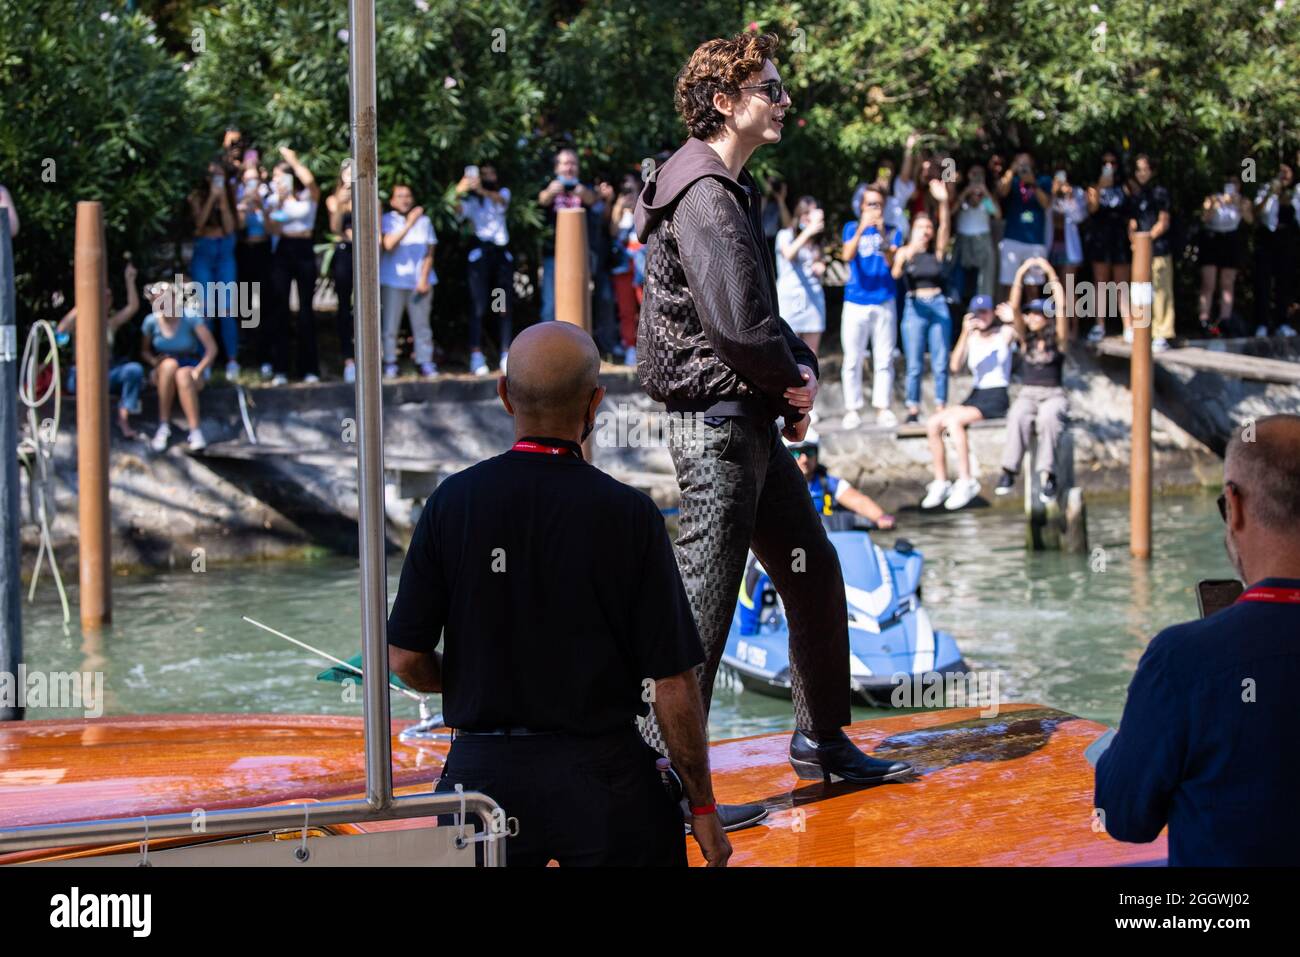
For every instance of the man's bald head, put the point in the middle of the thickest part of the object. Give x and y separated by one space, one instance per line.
1265 465
554 369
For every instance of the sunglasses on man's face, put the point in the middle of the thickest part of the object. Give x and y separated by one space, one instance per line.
1223 499
774 90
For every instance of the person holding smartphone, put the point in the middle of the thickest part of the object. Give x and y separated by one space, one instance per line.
869 315
339 206
919 266
565 191
1277 249
1025 203
1220 252
799 270
1206 744
483 202
212 263
406 279
1107 241
974 253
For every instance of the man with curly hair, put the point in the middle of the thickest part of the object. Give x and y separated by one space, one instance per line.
713 348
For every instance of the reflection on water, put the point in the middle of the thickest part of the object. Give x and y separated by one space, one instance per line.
1061 630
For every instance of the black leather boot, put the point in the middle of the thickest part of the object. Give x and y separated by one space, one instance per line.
838 759
733 817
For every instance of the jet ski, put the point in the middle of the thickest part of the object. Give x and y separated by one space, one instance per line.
890 634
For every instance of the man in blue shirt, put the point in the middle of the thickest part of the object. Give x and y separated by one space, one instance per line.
869 313
1207 741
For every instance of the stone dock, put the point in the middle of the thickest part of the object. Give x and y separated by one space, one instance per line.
294 490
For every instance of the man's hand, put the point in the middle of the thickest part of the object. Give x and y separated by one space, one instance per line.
796 432
422 286
712 839
802 397
414 215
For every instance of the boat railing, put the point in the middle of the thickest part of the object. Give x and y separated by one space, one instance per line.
461 805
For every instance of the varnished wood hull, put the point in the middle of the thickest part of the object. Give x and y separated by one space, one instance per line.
1010 789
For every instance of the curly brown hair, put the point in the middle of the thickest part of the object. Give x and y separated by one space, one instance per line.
718 66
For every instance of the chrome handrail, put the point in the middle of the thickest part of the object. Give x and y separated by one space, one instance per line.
255 820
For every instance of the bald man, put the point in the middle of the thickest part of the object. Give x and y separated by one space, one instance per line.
557 597
1208 737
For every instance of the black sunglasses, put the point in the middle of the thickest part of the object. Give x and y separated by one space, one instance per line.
774 90
1223 498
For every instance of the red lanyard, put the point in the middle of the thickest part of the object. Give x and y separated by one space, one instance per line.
524 445
1278 596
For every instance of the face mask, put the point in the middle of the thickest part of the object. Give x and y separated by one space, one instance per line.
587 428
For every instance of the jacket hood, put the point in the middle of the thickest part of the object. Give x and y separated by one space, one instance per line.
692 161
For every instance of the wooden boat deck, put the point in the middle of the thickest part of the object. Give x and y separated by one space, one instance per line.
1009 789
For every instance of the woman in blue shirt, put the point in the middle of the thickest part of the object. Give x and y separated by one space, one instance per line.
180 349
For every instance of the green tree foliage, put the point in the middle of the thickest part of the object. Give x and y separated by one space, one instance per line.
1203 85
93 108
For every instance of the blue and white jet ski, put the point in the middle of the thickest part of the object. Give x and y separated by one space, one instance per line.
889 632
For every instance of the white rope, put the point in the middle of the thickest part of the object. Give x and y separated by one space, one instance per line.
36 452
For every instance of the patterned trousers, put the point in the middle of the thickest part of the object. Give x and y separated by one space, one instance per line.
741 489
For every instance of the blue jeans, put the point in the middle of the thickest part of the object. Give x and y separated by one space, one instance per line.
926 323
548 288
124 377
213 261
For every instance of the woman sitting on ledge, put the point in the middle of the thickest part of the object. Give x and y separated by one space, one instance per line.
984 345
180 349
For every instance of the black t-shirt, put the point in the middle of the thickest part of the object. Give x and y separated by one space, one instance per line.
1042 362
555 589
922 271
1146 206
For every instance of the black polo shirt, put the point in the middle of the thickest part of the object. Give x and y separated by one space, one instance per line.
556 591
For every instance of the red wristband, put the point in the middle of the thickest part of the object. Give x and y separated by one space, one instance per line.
705 809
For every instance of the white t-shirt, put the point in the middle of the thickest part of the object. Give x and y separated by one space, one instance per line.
974 220
488 217
989 359
401 267
1225 216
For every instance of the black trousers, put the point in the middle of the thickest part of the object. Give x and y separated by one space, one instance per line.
491 287
581 801
253 265
341 273
741 489
294 261
1276 255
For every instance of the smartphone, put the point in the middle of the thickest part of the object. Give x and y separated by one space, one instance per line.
1060 176
1216 594
471 172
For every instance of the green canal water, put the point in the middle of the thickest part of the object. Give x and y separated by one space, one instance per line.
1062 630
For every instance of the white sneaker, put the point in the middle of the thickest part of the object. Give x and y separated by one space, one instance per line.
629 356
1285 330
503 363
197 442
159 441
267 371
391 371
350 373
311 378
851 421
1261 332
232 369
477 364
428 370
1096 333
1128 335
279 379
1159 345
935 493
963 490
886 418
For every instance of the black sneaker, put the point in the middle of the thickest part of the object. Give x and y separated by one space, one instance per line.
1006 483
912 418
1047 487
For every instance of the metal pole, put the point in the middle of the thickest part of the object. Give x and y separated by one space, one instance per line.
1140 376
96 598
11 607
370 401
